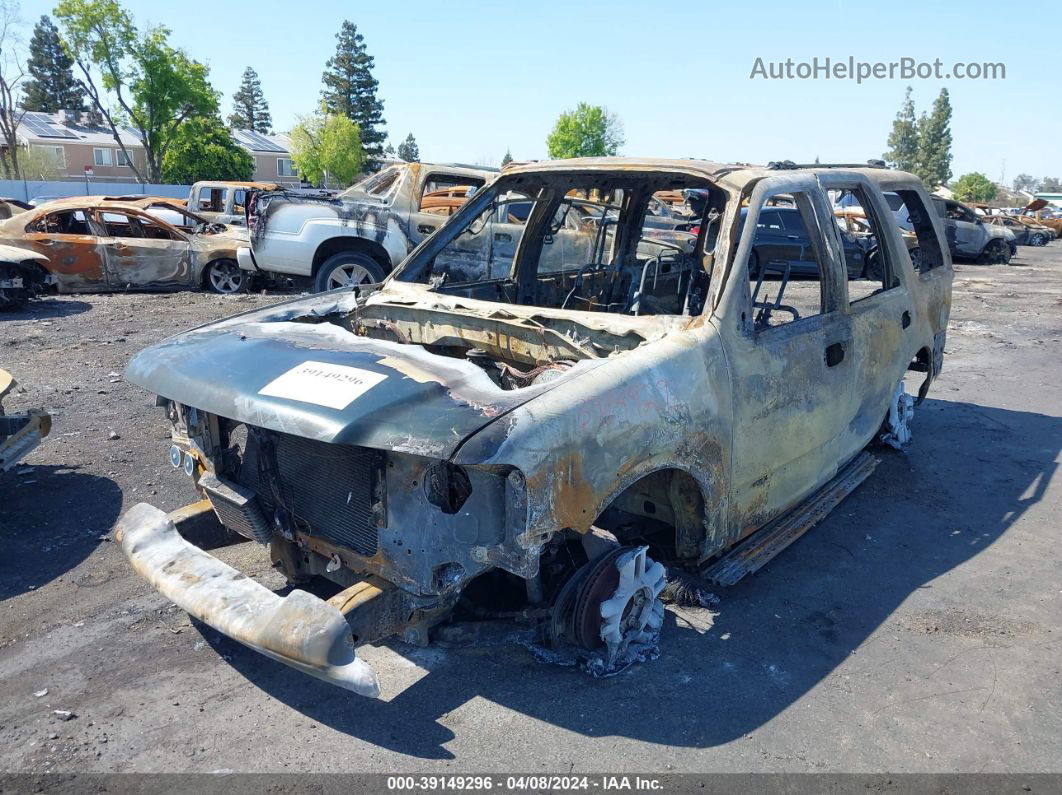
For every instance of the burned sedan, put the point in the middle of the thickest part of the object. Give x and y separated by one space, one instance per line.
486 439
100 244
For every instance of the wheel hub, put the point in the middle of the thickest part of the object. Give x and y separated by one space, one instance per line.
345 275
617 606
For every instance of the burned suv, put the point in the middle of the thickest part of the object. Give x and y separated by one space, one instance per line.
485 439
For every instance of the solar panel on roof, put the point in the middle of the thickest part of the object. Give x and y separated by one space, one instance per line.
41 124
258 142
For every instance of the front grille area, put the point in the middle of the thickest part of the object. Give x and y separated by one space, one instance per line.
327 488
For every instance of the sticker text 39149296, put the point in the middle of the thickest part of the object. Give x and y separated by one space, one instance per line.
322 383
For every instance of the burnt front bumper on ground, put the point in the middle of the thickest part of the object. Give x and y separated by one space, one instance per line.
299 630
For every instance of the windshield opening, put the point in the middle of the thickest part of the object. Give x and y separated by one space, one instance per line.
583 241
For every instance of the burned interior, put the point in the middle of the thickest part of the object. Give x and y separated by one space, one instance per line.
583 242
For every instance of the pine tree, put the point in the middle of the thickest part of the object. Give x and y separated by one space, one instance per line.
250 111
350 89
934 143
408 149
507 159
903 140
51 86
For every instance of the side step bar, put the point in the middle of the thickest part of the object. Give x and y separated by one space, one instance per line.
760 548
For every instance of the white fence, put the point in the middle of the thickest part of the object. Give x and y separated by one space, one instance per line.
28 189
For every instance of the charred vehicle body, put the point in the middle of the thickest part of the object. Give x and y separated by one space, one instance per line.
23 275
99 244
359 236
486 437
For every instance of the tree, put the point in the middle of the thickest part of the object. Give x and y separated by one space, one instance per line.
587 131
203 149
1050 185
507 159
1025 182
350 89
11 75
327 145
51 86
38 162
156 86
903 140
408 149
250 111
933 164
974 187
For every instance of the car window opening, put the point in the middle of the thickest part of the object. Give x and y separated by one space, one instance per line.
592 243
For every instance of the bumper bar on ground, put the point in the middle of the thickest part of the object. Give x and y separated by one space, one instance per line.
299 630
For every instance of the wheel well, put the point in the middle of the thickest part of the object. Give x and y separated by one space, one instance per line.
923 363
667 504
336 245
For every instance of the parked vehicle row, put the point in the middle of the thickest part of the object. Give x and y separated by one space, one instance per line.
91 244
322 241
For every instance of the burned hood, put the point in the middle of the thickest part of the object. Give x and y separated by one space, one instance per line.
273 369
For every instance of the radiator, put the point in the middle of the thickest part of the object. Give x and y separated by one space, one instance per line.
333 491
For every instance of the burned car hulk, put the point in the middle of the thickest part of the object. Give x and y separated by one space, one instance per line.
484 439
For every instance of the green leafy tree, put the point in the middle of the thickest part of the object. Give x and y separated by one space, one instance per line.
156 86
974 187
51 85
327 146
203 149
1026 182
38 162
1050 185
250 111
933 165
587 131
903 140
508 158
350 89
408 149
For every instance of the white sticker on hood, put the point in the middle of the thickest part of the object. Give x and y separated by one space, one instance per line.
324 384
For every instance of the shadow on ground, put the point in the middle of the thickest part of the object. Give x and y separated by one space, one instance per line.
58 499
970 474
47 308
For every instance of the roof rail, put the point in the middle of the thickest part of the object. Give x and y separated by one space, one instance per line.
789 165
469 165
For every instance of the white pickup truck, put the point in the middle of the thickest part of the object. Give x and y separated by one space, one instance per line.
359 236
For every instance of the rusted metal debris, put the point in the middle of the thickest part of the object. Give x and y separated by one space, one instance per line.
97 244
519 422
19 433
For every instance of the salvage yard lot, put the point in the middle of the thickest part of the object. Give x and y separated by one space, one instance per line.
916 629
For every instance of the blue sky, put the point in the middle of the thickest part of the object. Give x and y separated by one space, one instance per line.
469 80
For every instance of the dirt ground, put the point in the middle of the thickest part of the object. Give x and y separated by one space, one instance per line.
916 629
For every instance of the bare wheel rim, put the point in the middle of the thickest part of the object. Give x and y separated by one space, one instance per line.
349 274
226 277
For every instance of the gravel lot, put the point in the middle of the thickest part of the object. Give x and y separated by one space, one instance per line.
916 629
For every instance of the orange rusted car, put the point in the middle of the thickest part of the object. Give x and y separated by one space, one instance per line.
101 243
